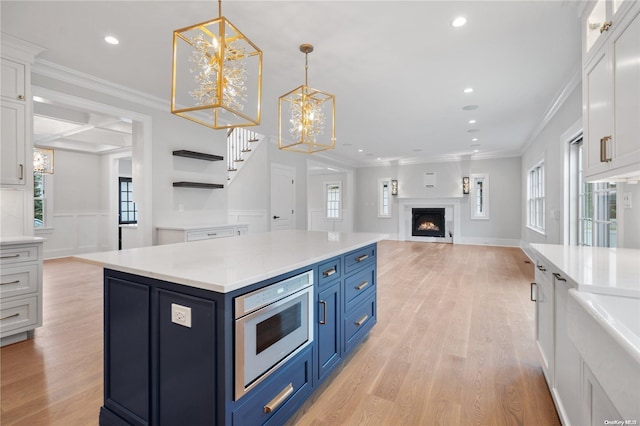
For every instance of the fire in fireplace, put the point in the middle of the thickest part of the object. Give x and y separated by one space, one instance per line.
427 222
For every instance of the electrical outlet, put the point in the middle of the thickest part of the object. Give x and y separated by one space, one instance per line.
181 315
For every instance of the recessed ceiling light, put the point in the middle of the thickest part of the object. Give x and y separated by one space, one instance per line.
470 107
474 140
459 21
468 90
378 158
111 40
476 150
472 121
360 150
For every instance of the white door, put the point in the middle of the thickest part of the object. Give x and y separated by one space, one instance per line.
283 191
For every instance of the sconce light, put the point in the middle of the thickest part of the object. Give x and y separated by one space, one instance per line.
465 185
394 187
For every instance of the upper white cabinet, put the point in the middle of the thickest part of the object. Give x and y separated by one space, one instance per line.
15 101
611 90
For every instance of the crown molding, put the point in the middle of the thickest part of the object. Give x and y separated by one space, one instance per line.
558 101
17 48
59 72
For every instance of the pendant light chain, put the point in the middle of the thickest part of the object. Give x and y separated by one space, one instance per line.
219 8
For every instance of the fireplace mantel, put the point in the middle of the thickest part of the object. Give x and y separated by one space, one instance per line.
451 206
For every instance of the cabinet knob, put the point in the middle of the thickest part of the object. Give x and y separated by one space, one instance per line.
605 26
21 97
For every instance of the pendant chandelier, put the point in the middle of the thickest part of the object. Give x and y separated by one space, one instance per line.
306 116
43 160
217 75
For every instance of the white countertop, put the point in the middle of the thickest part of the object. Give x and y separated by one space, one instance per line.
5 241
228 264
612 271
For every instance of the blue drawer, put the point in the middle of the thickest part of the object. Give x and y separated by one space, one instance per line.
358 286
329 271
290 385
359 321
358 258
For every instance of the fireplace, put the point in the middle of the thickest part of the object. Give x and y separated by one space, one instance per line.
427 222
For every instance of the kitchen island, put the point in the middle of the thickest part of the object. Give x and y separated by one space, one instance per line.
186 340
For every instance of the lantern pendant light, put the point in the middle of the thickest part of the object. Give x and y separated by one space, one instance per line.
217 75
306 116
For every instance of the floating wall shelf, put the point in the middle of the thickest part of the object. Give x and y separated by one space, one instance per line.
197 185
197 155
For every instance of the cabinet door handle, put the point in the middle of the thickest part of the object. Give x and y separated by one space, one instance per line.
21 166
605 26
534 298
362 285
11 282
10 256
559 277
329 272
603 149
279 399
323 321
10 316
361 258
542 268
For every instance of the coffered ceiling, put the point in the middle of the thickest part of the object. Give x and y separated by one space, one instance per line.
398 68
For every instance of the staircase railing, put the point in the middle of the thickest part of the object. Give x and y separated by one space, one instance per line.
239 147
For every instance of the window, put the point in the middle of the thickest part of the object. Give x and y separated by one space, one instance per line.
127 211
384 198
535 197
333 200
479 196
597 215
40 204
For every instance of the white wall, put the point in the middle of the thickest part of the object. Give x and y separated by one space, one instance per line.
168 133
503 226
78 206
629 218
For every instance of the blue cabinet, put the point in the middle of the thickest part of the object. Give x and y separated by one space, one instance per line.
159 371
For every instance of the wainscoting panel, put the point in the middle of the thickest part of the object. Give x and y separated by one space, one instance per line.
257 220
75 233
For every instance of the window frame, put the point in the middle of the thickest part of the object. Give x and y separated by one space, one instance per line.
536 197
128 180
482 194
384 185
327 208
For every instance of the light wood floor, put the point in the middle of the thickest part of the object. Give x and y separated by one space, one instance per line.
454 345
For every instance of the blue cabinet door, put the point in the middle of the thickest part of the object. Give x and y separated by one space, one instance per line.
328 329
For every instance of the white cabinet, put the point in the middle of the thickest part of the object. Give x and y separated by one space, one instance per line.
13 79
170 235
597 407
20 289
13 155
611 94
544 321
559 359
566 382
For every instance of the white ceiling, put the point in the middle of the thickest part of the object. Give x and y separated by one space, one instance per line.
397 68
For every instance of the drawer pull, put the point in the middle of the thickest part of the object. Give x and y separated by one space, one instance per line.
362 285
323 321
10 256
559 277
10 316
213 234
279 399
361 258
11 282
362 320
329 272
542 268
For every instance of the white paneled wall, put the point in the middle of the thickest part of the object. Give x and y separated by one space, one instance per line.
76 233
257 220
